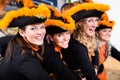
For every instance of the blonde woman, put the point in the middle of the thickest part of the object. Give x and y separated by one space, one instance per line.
86 17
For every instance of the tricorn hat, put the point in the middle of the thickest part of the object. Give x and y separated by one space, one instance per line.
105 24
85 10
25 16
58 23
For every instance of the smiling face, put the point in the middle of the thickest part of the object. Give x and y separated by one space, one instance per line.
61 39
34 33
104 34
89 25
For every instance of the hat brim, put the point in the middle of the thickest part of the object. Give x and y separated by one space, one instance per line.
25 20
54 29
102 27
85 14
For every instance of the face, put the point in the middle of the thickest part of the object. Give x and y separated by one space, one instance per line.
104 34
89 25
34 33
61 39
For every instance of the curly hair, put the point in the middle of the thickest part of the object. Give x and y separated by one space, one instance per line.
89 42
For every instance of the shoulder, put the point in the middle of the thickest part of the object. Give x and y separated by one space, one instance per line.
5 40
76 44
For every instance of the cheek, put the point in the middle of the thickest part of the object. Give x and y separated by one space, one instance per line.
29 35
103 36
69 37
44 31
30 38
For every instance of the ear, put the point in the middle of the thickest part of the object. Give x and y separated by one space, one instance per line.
96 33
79 23
50 37
21 32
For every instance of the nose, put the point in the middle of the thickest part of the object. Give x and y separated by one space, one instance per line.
40 31
95 24
65 37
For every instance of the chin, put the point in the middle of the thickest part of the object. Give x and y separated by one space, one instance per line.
39 43
65 47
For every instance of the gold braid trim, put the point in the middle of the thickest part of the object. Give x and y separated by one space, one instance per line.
87 6
41 12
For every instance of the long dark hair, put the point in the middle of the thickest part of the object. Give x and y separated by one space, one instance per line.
18 40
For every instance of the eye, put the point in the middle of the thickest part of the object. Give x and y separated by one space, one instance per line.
42 27
97 20
59 35
33 28
104 30
89 20
110 30
68 33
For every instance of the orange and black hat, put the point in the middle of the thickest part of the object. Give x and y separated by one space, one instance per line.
25 16
58 23
25 3
85 10
105 24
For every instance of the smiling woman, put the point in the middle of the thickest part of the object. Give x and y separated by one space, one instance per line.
113 14
24 52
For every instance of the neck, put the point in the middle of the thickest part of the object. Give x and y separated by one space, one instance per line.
57 48
100 42
33 47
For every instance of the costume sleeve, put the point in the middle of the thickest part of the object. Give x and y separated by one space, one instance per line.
95 59
76 56
33 70
54 64
29 66
3 44
23 67
115 53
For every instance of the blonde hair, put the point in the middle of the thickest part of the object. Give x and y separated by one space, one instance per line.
89 42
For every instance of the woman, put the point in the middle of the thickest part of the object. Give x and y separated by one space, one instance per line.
86 16
23 56
103 34
50 60
58 29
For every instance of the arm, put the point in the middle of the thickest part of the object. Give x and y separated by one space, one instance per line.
76 57
95 61
28 66
115 53
23 67
54 64
3 44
